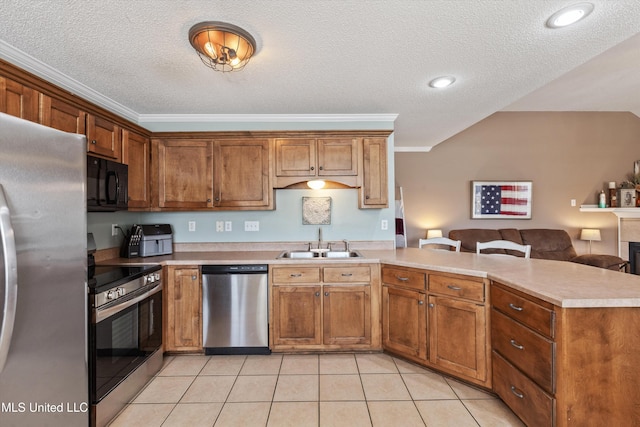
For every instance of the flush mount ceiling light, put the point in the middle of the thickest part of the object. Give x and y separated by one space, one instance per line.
442 82
221 46
569 15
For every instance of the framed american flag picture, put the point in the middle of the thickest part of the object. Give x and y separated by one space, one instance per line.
501 199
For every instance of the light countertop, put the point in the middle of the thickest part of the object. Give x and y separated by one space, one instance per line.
564 284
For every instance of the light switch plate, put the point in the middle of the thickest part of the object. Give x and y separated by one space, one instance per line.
192 226
228 226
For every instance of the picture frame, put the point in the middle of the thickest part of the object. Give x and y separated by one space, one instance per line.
501 199
627 198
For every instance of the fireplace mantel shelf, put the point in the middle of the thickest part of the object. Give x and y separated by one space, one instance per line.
619 212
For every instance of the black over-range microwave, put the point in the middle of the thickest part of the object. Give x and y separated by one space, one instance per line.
107 185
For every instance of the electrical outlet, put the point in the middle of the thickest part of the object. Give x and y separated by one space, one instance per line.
228 226
384 224
219 226
114 230
192 226
252 226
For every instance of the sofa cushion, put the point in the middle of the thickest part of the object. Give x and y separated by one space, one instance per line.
549 243
469 237
610 262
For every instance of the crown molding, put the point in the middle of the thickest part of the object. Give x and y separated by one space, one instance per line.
266 118
34 66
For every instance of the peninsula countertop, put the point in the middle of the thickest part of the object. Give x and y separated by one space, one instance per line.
561 283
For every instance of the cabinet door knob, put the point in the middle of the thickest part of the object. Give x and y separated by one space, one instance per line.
317 294
217 199
194 277
431 305
326 294
320 168
312 168
420 302
208 200
93 141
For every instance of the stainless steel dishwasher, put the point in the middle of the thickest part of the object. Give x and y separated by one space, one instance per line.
235 317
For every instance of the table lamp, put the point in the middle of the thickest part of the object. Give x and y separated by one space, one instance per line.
590 234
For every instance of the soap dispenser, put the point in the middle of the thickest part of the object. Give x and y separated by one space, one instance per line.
602 200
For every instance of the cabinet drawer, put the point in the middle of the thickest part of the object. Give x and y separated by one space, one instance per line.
347 274
523 396
456 287
402 277
532 353
296 274
525 311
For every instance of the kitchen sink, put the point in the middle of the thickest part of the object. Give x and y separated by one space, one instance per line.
318 254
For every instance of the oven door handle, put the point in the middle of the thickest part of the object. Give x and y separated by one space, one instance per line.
10 264
102 314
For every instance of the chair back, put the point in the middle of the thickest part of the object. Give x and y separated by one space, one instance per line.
440 241
504 244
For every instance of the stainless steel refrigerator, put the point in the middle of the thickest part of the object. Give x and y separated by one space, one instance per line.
43 270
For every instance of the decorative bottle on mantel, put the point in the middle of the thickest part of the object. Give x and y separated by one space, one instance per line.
613 195
602 200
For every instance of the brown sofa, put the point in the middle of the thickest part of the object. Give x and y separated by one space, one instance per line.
545 244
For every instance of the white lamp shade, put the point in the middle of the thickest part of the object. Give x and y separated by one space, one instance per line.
590 234
434 233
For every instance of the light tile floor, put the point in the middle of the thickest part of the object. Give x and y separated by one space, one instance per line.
308 390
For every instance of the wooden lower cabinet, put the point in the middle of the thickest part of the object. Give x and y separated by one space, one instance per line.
457 336
183 309
324 308
450 334
404 329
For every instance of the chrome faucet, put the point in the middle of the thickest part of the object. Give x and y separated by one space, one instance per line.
319 237
346 245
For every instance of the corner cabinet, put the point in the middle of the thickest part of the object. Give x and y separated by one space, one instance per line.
204 174
438 320
183 309
329 307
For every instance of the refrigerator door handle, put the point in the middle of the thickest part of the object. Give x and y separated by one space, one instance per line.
10 278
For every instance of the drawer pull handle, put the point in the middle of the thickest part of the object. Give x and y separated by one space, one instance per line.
347 274
402 279
516 345
295 275
515 307
454 288
515 391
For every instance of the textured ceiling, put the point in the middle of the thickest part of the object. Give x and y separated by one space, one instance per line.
335 57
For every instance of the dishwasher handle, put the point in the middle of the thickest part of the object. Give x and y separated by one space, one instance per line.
235 269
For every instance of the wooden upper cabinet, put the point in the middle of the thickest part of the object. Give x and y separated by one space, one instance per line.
241 174
296 157
136 152
61 115
337 156
18 100
374 192
302 159
185 173
103 137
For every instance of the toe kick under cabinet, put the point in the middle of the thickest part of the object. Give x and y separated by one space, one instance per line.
324 307
557 366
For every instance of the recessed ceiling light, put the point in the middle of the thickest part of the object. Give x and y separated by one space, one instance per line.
442 82
569 15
